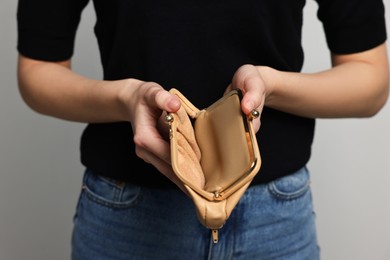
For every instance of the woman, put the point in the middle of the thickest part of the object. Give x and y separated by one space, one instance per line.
129 206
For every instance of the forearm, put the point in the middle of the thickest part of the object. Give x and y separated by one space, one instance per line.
54 89
352 88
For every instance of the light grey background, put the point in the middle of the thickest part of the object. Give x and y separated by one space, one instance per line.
40 172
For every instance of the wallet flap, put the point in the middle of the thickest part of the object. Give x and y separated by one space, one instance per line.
185 152
219 153
191 110
221 132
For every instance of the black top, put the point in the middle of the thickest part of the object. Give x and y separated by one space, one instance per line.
196 46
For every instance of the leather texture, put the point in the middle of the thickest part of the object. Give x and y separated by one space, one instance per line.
215 155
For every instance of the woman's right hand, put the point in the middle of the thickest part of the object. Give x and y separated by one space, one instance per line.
53 89
146 104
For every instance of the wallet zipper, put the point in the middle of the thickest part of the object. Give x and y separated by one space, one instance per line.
214 235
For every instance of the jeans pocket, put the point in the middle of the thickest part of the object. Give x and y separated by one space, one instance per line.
109 192
292 186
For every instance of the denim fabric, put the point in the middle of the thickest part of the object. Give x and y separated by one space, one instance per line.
117 220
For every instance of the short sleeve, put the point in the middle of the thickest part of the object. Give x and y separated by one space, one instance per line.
352 25
47 28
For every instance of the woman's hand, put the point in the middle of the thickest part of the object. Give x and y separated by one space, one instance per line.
53 89
147 103
357 85
254 87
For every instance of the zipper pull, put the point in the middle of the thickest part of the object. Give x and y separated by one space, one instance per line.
214 235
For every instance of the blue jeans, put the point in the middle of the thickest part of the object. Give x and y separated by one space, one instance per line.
117 220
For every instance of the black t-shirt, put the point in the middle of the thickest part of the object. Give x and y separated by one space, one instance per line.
196 46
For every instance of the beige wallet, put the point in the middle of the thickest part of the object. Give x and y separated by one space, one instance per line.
215 155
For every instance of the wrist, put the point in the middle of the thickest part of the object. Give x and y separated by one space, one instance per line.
125 93
270 77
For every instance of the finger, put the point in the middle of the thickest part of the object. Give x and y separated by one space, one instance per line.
164 168
148 139
256 124
163 127
163 99
254 94
248 79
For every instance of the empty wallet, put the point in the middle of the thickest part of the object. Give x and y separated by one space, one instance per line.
215 155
